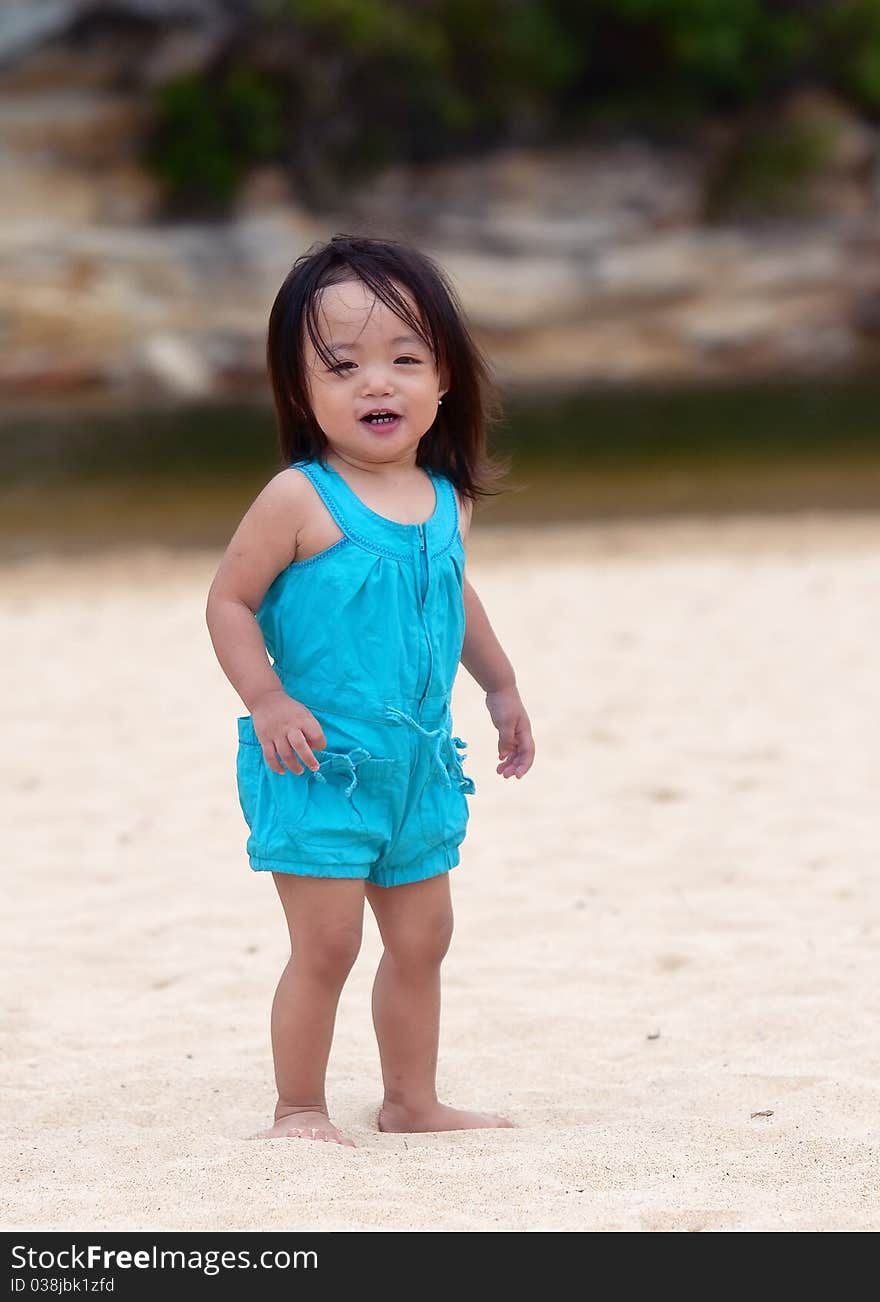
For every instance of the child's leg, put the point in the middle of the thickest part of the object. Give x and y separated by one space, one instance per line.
325 919
415 922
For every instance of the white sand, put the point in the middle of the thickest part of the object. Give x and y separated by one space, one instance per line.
693 858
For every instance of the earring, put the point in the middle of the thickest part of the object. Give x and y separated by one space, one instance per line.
439 400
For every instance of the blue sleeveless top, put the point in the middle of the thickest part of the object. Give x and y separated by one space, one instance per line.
375 621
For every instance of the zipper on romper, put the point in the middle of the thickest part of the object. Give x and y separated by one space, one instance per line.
423 572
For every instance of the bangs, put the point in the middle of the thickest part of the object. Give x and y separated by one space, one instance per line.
385 289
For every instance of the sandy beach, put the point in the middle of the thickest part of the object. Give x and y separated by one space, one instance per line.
665 964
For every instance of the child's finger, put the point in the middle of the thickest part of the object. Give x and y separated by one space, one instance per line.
516 765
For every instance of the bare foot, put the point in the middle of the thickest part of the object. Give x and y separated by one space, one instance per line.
305 1125
396 1119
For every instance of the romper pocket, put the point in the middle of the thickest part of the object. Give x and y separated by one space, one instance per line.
444 809
340 772
339 815
342 812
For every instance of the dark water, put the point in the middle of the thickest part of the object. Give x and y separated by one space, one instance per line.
74 479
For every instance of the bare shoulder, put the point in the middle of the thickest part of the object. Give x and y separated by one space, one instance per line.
266 539
280 512
465 511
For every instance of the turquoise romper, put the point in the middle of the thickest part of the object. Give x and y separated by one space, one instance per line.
368 634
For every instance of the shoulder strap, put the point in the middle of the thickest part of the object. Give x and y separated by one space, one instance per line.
447 522
323 486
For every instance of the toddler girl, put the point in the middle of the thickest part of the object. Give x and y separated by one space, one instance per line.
348 568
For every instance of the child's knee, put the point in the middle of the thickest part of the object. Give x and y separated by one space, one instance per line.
329 952
423 946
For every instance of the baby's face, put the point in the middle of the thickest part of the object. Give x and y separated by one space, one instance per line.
376 367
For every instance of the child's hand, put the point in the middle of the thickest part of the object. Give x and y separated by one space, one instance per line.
288 727
516 748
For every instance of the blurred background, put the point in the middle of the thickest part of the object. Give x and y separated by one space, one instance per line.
661 217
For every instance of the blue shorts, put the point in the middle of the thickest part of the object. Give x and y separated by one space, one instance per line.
387 804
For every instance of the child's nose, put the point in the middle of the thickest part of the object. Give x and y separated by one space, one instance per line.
377 376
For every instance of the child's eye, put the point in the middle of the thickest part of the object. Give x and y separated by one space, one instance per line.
341 365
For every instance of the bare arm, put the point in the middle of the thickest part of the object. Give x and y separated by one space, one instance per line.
484 659
264 544
482 654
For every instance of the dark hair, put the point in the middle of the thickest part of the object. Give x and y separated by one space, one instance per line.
456 443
